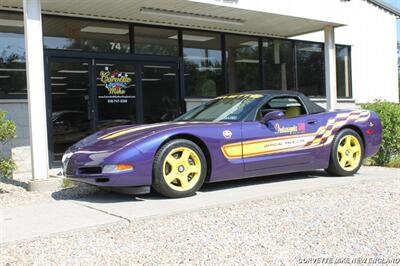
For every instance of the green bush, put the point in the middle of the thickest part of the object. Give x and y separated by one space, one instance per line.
7 132
395 162
389 113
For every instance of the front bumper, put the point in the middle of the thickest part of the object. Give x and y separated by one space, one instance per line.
93 175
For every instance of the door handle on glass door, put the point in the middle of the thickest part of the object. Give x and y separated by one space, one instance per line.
311 121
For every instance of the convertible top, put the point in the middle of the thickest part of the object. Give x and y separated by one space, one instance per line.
312 107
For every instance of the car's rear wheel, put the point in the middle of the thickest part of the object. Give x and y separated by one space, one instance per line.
179 169
346 154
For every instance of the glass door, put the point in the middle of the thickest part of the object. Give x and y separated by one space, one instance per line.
160 92
70 109
115 91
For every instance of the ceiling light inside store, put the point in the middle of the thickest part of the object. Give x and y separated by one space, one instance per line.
169 74
151 79
249 43
101 64
76 89
193 38
4 77
59 93
72 71
310 49
11 23
193 57
251 61
94 29
12 69
59 84
58 77
190 16
208 68
148 66
17 93
253 44
18 61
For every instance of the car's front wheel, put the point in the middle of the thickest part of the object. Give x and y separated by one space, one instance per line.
179 169
346 154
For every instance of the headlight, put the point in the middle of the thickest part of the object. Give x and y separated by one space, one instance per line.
117 168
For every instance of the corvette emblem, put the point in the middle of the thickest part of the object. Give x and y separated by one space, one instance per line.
227 134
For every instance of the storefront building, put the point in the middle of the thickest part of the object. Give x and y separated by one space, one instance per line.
107 64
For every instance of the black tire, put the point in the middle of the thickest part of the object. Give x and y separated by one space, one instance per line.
175 189
334 166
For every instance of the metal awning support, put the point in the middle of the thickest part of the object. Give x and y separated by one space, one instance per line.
330 67
36 88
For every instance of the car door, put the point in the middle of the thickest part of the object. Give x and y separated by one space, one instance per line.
282 143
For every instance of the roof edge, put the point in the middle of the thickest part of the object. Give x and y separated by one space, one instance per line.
388 7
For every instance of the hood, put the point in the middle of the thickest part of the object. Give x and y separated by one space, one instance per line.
122 135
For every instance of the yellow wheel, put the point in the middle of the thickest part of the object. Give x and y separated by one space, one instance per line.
349 152
182 169
179 168
346 153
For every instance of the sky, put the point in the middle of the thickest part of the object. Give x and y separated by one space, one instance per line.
395 3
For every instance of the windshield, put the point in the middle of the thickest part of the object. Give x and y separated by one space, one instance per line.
224 108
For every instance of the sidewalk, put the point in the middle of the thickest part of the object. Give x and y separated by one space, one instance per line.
102 208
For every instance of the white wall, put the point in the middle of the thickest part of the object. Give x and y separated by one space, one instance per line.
371 32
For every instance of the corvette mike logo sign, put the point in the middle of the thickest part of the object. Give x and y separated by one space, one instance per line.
116 84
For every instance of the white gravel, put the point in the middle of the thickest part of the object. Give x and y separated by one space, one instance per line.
14 193
355 221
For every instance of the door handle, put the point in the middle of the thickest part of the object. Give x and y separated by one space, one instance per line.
312 121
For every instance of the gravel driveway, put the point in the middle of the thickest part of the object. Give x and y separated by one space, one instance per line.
356 221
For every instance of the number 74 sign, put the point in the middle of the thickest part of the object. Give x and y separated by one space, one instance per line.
115 46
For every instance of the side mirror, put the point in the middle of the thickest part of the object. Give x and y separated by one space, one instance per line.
272 116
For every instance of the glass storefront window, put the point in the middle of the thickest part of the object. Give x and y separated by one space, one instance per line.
278 64
242 62
343 71
12 56
203 64
85 35
156 41
160 92
70 113
310 72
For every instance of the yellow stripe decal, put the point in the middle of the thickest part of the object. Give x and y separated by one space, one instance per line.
125 131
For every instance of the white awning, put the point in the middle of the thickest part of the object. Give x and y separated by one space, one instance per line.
183 13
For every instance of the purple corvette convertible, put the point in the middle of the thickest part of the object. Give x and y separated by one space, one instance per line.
234 136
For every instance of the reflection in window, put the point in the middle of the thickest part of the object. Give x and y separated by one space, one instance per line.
203 64
150 40
310 73
278 64
343 71
242 60
12 56
85 35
